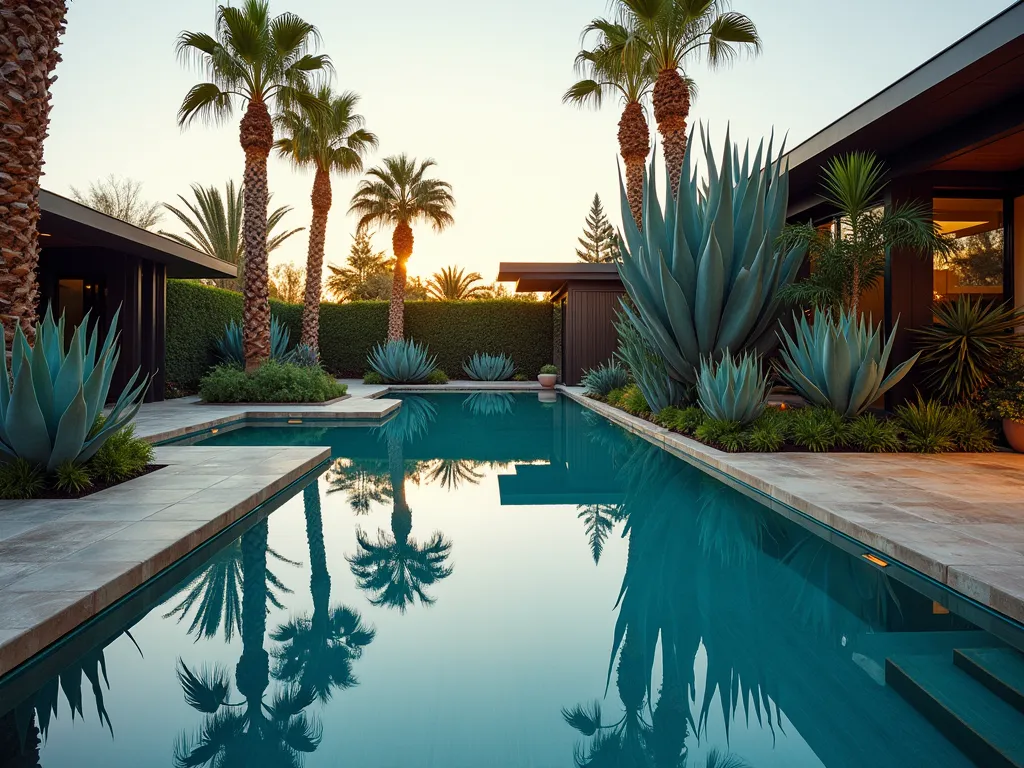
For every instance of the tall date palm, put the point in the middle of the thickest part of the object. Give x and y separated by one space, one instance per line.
329 141
397 195
670 33
29 33
258 60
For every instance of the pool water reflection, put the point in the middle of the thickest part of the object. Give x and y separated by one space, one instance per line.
493 580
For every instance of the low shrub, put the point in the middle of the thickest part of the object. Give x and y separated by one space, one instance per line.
970 431
272 382
928 426
727 435
21 480
549 369
682 420
372 377
615 397
436 376
121 458
633 401
1005 398
71 478
519 377
870 434
598 382
817 429
768 432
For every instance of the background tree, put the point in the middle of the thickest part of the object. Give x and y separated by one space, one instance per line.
256 60
364 262
330 140
213 225
29 33
454 284
121 198
398 195
288 283
609 69
850 259
669 33
599 243
501 291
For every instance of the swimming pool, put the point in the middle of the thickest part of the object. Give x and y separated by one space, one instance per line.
492 580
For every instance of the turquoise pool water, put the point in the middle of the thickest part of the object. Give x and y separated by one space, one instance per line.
491 580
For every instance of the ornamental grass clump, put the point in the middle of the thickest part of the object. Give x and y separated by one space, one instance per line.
817 429
488 367
598 382
871 434
927 426
720 433
735 389
402 361
682 420
838 361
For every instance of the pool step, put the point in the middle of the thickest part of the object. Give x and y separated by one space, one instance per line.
985 728
881 645
1001 670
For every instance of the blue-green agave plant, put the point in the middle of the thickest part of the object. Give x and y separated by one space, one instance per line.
402 362
734 389
49 415
704 275
486 367
840 361
604 378
647 367
229 346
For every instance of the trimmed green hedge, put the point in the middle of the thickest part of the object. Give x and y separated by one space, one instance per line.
454 330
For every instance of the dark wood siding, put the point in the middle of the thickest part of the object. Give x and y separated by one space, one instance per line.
590 338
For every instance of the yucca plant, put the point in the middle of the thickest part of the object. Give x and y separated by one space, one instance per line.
50 415
839 361
965 346
487 367
734 389
704 274
603 379
402 362
229 346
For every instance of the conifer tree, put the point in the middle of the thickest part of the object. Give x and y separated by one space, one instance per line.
599 242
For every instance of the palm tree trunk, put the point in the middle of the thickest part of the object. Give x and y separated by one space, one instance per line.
671 99
634 146
321 199
320 576
252 674
401 515
401 242
29 33
257 138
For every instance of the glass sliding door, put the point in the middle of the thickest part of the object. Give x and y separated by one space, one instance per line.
976 268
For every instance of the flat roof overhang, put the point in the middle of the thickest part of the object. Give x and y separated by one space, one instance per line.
550 276
66 224
939 117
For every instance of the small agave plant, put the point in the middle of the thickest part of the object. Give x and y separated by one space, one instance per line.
603 379
487 367
840 362
229 346
48 416
402 362
734 389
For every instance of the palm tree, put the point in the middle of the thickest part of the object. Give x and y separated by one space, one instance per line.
453 284
451 473
669 33
608 69
331 140
363 483
317 653
213 225
252 731
398 195
28 52
256 60
396 570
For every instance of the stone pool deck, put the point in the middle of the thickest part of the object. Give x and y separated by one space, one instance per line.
957 518
62 562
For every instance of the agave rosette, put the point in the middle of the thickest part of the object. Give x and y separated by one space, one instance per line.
734 389
488 367
402 361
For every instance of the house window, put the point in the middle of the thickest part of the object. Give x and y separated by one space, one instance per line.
975 268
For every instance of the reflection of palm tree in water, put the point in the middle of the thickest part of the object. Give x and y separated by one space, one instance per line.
451 473
251 732
364 483
396 569
317 653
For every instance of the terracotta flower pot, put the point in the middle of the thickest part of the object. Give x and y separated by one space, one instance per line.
1014 431
547 380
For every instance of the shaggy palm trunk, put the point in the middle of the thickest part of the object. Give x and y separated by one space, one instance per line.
401 242
252 673
320 577
401 515
321 199
29 33
634 146
257 137
671 109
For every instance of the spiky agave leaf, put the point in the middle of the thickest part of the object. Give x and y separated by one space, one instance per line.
735 389
402 362
488 367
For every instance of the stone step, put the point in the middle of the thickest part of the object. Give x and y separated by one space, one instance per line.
1001 670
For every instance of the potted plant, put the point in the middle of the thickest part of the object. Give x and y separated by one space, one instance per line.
1006 399
548 376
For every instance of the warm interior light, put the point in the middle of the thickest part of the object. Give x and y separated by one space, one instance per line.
294 421
951 227
44 234
938 609
876 560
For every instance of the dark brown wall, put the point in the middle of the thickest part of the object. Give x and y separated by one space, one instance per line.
590 338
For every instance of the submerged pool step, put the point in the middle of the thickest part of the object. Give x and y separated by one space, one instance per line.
881 645
1001 670
986 728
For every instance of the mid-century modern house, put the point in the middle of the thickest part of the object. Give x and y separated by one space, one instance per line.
951 134
91 262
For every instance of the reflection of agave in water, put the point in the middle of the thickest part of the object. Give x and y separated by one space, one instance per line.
410 422
489 403
729 525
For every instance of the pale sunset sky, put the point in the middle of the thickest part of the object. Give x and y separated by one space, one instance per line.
478 87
